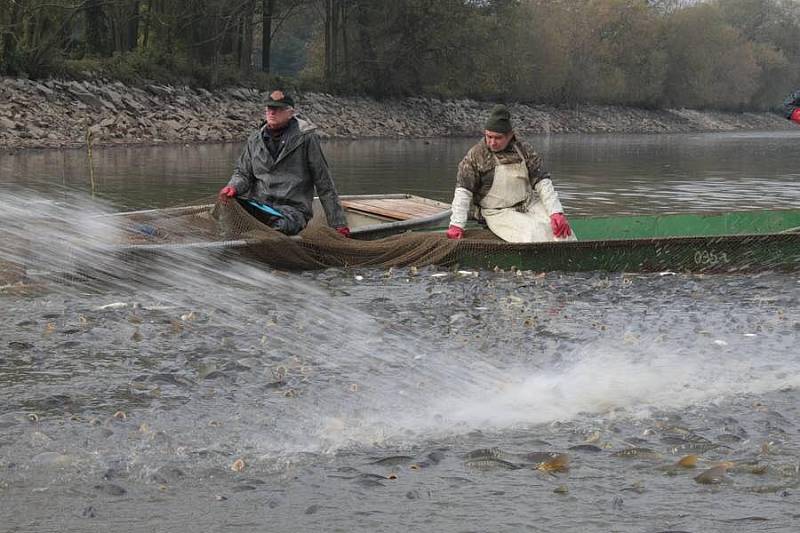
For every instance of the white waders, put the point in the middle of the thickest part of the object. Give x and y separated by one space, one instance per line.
509 210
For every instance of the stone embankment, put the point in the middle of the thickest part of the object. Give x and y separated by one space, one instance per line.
59 113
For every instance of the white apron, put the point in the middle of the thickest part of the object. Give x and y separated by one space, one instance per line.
512 187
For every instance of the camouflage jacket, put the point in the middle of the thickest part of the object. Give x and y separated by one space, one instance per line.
476 170
290 178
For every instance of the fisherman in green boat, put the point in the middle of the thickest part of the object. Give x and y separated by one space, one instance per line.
279 169
791 107
504 180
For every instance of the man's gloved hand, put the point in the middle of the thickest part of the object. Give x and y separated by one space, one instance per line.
227 192
279 224
454 232
795 116
344 230
560 225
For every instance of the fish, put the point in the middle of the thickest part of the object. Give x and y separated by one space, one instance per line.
558 462
749 467
393 460
689 461
679 439
435 456
485 453
636 441
585 448
433 459
673 430
20 345
714 475
115 305
746 519
489 458
490 463
637 453
110 489
696 447
495 457
729 438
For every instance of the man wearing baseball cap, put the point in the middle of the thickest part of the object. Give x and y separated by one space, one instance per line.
279 169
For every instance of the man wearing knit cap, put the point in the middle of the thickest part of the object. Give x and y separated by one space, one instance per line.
504 178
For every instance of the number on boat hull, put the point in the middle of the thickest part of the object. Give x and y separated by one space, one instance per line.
710 258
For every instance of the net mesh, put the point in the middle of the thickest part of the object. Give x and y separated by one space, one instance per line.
319 246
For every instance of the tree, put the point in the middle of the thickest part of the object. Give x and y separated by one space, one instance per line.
246 37
267 10
771 26
710 62
628 59
274 14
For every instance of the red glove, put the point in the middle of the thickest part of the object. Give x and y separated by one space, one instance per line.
227 192
795 116
560 225
454 232
344 230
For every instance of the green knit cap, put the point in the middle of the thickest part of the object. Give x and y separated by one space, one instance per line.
499 120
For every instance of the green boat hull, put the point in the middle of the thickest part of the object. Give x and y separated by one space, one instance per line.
742 241
755 222
682 254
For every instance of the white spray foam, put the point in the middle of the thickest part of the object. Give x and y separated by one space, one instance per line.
602 380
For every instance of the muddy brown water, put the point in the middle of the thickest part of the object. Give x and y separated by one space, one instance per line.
211 394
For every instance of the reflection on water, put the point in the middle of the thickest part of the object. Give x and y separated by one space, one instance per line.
599 174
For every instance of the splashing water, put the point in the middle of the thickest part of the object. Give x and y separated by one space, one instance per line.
302 371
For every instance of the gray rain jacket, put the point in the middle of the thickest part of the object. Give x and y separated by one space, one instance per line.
290 179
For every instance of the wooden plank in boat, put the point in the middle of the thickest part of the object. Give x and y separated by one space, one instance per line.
414 210
402 213
411 206
398 204
396 208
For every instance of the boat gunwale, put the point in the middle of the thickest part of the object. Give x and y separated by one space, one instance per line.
182 210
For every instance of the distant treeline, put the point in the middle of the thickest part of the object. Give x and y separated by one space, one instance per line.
728 54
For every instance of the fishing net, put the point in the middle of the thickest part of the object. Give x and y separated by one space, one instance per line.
317 246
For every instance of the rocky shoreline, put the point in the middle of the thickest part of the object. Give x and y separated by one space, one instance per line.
68 114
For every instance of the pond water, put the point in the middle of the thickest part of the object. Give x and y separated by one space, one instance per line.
206 394
594 174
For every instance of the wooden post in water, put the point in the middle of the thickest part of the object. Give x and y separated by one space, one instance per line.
91 160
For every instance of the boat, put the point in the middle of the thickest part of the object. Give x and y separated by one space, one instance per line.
406 230
732 241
